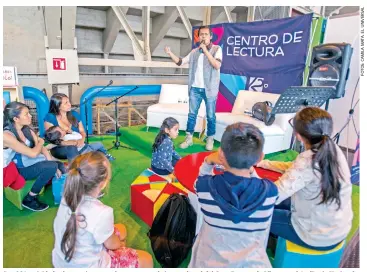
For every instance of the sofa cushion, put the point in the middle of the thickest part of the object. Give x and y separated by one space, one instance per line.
174 109
173 93
225 119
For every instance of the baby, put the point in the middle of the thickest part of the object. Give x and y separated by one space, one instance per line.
55 135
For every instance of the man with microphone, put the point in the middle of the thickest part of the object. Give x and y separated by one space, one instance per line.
204 76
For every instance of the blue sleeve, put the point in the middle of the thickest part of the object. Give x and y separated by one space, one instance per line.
76 115
166 150
51 118
175 155
201 184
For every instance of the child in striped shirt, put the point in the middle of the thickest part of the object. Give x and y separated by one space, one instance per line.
236 206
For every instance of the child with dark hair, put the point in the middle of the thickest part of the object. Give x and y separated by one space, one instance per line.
316 185
55 135
164 156
236 206
85 234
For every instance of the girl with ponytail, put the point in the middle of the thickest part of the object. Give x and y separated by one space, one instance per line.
25 148
315 190
164 156
85 234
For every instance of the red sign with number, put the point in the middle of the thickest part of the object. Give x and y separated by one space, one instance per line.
59 63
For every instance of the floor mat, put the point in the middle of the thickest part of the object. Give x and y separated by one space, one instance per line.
28 237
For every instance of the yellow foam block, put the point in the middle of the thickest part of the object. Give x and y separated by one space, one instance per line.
152 194
159 202
291 247
140 180
180 186
158 185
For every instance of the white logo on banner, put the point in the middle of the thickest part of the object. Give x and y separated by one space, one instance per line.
257 84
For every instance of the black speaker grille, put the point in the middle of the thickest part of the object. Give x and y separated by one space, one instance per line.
324 76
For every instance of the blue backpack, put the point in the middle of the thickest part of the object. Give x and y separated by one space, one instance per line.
58 187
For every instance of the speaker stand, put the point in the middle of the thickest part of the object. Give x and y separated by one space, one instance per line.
296 98
327 104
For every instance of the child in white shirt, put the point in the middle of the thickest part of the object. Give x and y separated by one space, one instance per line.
85 234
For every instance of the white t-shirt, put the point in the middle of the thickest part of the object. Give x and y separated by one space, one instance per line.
199 74
73 136
8 155
91 234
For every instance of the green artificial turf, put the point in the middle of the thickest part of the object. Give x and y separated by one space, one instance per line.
28 236
143 140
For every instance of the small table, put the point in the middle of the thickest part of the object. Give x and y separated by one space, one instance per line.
187 170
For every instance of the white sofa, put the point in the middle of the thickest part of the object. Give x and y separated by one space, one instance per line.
174 102
277 136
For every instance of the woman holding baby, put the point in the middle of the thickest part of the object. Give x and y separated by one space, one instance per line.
68 121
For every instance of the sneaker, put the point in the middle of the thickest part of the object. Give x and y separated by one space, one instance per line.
188 141
209 143
32 203
110 157
101 194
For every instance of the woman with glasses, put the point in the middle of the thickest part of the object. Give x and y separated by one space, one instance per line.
315 193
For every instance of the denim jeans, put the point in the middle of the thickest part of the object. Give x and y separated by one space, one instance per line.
97 146
196 96
69 152
281 225
43 172
63 152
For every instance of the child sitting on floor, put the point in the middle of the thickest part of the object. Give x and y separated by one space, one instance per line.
55 135
85 234
164 156
236 206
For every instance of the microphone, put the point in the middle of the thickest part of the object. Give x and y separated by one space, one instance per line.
201 50
85 100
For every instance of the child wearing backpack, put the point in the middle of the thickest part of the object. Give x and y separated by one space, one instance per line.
164 156
85 235
236 206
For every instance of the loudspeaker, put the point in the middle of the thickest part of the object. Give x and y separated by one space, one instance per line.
329 66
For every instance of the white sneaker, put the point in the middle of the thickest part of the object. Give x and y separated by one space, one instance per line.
209 143
188 141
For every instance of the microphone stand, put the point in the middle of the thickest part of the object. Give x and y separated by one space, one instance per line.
116 143
84 103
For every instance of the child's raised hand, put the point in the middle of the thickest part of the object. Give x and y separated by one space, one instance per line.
171 178
213 159
260 164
